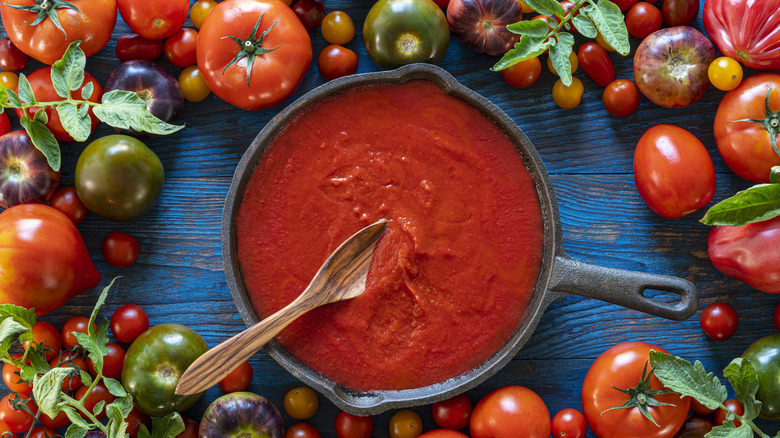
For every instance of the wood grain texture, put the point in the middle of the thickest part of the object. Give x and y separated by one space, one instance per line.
589 155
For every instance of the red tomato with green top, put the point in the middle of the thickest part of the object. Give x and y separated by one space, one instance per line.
509 412
154 20
18 420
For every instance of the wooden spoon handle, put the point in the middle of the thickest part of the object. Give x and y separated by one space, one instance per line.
218 362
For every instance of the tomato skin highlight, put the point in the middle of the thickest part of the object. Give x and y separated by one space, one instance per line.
509 412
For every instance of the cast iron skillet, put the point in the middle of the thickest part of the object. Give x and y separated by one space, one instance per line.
560 274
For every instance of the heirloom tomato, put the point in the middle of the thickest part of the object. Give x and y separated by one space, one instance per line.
133 46
453 413
509 412
745 30
25 174
481 24
764 356
619 368
746 146
353 426
88 21
154 19
253 53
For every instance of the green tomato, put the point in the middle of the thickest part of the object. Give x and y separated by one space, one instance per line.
119 178
155 362
400 32
764 355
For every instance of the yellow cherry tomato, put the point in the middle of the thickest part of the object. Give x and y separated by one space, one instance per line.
568 97
572 60
405 424
9 80
338 28
193 87
603 43
725 73
301 403
526 9
200 10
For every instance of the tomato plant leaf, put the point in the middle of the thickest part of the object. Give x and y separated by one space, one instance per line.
534 28
528 47
67 74
75 417
728 430
755 204
78 126
43 140
116 413
23 316
126 110
25 90
5 346
13 98
743 378
10 328
559 55
774 175
41 116
167 427
547 8
75 431
114 387
86 378
98 408
584 26
686 379
87 91
609 21
94 351
46 389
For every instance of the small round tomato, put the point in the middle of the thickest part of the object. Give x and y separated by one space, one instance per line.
11 58
643 19
99 393
301 403
42 432
5 123
353 426
509 412
18 420
133 46
443 433
9 80
621 97
569 423
663 160
700 409
180 48
680 12
193 86
112 362
719 321
405 424
453 413
120 249
154 20
338 28
568 97
13 380
66 200
776 317
573 61
302 430
128 322
45 334
696 426
732 405
336 61
239 379
526 9
5 431
625 5
79 324
523 74
55 423
311 13
596 63
136 418
191 428
70 359
725 73
200 10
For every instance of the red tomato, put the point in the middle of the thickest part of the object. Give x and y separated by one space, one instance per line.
745 30
663 160
133 46
621 97
746 147
12 378
5 123
353 426
120 249
180 48
643 19
78 324
310 13
569 423
66 200
596 63
443 433
128 322
734 406
190 428
239 379
453 413
47 43
272 78
509 412
136 418
44 333
700 409
42 432
776 317
719 321
621 367
18 420
11 58
680 12
55 423
70 359
99 393
6 431
40 80
336 61
112 362
154 20
523 74
302 430
625 5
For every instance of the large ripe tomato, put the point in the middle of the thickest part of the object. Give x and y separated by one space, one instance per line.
764 356
154 19
746 147
509 412
92 24
663 160
621 367
745 30
255 81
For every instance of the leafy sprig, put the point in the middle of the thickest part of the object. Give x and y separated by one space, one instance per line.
588 17
755 204
118 108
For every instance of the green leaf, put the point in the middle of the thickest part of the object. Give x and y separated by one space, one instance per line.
10 328
13 98
729 431
5 346
99 303
26 91
98 408
584 26
527 48
168 426
46 390
75 431
537 28
79 127
86 378
117 426
41 116
774 175
23 316
609 21
75 417
44 141
126 110
743 378
4 96
754 204
143 432
114 387
685 379
546 7
67 74
87 91
559 55
124 404
94 350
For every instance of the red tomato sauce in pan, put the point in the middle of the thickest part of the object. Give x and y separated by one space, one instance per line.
452 277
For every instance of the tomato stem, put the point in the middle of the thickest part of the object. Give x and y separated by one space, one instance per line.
770 122
641 396
251 48
48 9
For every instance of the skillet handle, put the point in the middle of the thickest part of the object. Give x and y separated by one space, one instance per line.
624 288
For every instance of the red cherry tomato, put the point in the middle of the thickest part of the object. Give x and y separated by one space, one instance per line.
239 379
67 200
621 97
5 431
523 74
5 123
510 412
42 432
128 322
99 393
120 249
625 5
44 333
776 317
13 380
719 321
302 430
596 63
136 418
70 359
77 324
443 433
134 46
453 413
180 48
679 12
569 423
55 423
336 61
18 420
310 12
643 19
353 426
190 428
734 406
11 58
112 362
154 20
700 409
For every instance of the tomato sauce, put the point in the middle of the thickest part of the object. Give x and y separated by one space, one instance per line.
453 276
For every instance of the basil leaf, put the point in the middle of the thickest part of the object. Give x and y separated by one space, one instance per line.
728 430
168 426
75 431
754 204
546 7
685 379
584 26
559 55
44 141
67 74
528 47
79 127
26 91
10 328
537 28
126 110
610 22
23 316
46 390
743 378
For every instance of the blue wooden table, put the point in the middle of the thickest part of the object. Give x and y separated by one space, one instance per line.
588 154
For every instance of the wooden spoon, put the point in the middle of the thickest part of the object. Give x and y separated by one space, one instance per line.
341 277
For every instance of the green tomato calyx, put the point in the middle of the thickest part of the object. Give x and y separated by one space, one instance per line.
641 396
250 48
48 9
770 122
